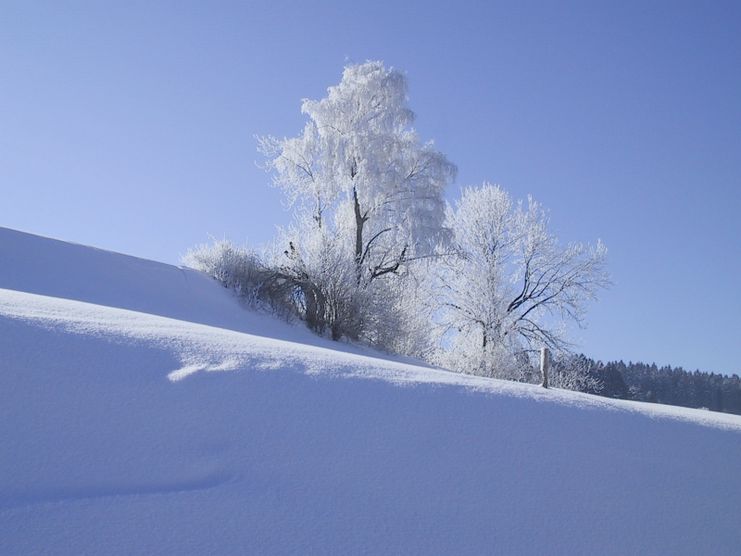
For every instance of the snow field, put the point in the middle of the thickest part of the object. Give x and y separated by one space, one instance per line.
143 410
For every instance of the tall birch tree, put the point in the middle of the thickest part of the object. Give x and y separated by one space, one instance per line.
361 178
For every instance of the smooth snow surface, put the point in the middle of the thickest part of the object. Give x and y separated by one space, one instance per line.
143 410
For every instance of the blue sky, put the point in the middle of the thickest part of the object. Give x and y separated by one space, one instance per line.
130 126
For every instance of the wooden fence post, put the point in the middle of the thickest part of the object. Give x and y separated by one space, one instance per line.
545 361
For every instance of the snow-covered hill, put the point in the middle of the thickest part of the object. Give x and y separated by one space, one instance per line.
143 410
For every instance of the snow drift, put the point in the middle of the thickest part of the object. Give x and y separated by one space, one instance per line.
143 410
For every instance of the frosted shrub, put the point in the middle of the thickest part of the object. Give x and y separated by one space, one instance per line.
573 372
395 318
504 360
315 278
237 268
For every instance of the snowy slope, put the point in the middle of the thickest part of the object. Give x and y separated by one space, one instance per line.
142 410
55 268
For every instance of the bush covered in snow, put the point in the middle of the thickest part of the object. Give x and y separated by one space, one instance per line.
238 268
574 372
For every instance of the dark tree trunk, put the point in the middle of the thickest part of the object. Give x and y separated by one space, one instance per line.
360 220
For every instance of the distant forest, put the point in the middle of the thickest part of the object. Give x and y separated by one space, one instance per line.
666 385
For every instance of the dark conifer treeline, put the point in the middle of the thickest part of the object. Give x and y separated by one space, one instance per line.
667 385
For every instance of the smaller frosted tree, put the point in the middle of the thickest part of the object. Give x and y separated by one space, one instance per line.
509 288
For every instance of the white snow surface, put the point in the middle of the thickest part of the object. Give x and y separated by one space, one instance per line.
143 410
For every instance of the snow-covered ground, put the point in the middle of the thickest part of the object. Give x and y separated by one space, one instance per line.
143 410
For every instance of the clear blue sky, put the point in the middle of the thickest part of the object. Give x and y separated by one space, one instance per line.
130 126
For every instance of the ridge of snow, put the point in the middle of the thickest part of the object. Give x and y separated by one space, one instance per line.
200 347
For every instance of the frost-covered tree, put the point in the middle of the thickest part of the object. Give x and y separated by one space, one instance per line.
509 287
362 180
